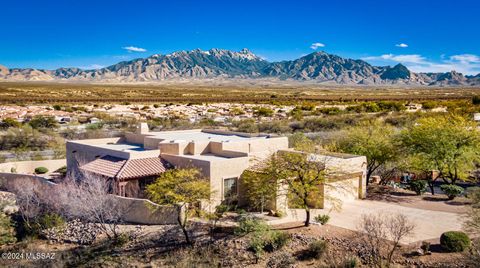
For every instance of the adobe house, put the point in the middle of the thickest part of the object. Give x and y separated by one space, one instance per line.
135 160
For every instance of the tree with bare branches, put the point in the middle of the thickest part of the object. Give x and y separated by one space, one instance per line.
377 229
88 199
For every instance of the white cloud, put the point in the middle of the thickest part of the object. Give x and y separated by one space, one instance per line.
317 45
403 45
466 58
408 58
92 67
463 63
134 49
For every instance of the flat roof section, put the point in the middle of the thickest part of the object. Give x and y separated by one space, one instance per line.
199 136
207 157
124 147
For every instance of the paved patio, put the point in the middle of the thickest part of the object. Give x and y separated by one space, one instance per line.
429 224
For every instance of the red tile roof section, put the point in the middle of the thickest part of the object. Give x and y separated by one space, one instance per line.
123 169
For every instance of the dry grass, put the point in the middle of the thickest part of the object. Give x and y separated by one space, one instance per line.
43 92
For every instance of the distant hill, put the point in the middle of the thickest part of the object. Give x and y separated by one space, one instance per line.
318 67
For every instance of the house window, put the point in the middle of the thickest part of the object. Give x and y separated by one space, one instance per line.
229 188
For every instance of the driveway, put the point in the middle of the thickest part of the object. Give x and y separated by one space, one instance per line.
429 224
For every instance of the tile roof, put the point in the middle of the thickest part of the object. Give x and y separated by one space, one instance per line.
114 167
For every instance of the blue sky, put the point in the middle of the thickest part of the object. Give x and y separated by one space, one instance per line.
423 35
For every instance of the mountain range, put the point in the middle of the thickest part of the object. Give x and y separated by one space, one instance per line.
317 67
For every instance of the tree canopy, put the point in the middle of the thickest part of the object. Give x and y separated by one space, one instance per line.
373 139
182 188
448 144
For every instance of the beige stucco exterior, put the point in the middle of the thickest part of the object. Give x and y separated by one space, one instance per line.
219 155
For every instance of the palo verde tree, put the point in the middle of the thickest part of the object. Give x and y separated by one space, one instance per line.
302 175
448 144
182 188
373 139
260 188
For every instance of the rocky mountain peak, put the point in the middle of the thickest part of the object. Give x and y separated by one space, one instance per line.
318 67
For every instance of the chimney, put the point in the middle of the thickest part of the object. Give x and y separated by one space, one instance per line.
142 128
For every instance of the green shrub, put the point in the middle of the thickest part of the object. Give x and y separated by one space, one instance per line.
275 240
454 241
249 225
451 190
50 220
349 262
263 111
41 170
62 170
7 230
322 219
418 186
316 249
256 245
44 222
278 214
121 240
40 121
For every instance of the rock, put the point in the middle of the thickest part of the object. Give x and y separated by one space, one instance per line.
75 232
281 260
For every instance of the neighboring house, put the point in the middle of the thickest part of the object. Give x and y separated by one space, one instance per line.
135 160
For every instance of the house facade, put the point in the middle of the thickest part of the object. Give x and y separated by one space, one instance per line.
135 160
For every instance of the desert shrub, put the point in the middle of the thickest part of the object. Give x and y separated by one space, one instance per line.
350 262
366 107
471 192
274 127
94 126
40 121
428 105
256 245
316 249
7 230
476 100
425 246
275 240
121 240
454 241
281 260
395 106
278 214
322 219
249 225
41 170
57 107
9 122
451 190
320 124
62 170
263 111
418 186
247 126
44 222
328 110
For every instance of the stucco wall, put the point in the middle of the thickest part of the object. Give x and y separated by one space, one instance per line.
28 167
143 211
139 211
